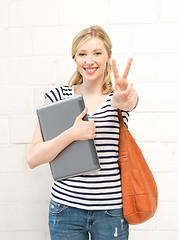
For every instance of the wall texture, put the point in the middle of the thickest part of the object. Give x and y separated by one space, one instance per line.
35 45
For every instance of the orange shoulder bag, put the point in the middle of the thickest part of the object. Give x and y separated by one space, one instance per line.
139 189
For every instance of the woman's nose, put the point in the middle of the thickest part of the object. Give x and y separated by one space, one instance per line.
89 59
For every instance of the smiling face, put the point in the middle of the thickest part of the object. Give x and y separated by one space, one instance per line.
91 59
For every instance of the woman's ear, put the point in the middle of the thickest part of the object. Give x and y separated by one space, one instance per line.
109 59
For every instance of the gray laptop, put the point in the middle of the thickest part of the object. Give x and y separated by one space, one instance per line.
80 157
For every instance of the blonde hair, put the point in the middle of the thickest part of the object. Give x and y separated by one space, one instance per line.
83 36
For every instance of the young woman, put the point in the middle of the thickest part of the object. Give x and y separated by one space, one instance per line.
90 203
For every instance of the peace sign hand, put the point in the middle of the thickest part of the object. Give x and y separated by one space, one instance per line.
124 96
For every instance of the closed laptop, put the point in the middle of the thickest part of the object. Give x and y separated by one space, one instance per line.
80 157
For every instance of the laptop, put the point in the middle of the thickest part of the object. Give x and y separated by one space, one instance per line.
80 157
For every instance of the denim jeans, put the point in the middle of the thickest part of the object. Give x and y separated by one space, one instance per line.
68 223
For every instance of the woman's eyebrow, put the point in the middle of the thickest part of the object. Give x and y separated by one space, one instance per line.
83 50
98 49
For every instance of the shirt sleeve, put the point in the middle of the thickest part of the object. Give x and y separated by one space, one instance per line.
54 94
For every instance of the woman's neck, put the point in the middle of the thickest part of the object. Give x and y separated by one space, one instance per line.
89 88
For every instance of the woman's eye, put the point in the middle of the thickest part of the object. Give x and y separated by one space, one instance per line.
97 53
82 54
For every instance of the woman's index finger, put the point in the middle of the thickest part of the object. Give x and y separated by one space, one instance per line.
115 70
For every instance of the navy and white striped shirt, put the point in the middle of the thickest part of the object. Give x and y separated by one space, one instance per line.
101 189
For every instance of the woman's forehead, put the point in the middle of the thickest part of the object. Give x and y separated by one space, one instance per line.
92 43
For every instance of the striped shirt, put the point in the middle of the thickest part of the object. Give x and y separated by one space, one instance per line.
101 189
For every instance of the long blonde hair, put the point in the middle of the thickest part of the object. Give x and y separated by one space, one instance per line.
83 36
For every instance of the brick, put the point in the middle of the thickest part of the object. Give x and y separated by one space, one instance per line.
54 41
158 156
176 157
169 11
145 68
157 38
28 235
85 13
15 100
164 235
121 37
168 72
15 42
38 96
161 100
43 194
169 132
22 128
144 126
168 102
3 72
38 71
146 102
12 158
22 192
130 12
154 69
29 187
137 235
168 191
4 130
24 216
4 13
168 218
33 13
22 235
66 67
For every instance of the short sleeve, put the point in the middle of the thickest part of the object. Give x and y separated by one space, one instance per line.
125 115
54 94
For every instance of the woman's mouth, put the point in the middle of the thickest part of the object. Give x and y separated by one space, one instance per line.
90 70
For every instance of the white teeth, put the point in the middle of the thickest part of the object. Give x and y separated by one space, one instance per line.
90 69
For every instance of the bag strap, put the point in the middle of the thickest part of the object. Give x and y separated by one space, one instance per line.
121 120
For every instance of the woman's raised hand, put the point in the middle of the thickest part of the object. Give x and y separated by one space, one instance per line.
83 130
124 93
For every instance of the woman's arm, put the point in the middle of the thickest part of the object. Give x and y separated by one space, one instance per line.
41 152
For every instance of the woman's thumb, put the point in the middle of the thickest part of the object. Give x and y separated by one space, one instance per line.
81 116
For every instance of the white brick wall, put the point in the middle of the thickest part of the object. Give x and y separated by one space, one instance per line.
35 45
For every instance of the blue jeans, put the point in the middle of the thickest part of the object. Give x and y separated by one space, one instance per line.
68 223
